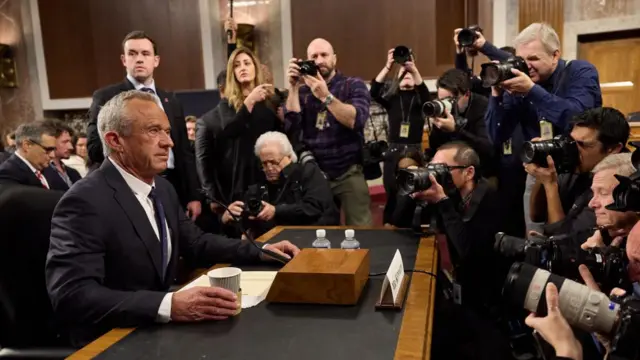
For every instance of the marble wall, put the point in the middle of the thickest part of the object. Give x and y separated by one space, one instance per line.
21 104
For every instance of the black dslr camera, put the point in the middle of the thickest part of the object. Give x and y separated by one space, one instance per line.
626 195
467 36
402 54
374 152
563 151
253 199
414 180
308 67
493 74
589 310
439 108
557 255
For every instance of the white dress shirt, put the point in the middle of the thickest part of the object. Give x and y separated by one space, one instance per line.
141 191
138 85
40 177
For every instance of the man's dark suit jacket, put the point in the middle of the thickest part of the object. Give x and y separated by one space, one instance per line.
56 182
15 171
184 159
103 269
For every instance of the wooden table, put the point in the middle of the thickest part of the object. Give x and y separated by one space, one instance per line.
414 340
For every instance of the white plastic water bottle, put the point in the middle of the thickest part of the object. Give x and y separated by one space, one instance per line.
321 241
349 241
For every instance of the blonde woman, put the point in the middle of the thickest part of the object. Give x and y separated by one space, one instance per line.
225 136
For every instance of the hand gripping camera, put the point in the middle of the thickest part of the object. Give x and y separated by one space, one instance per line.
493 74
563 151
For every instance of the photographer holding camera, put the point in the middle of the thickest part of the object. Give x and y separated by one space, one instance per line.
467 40
467 215
294 194
331 109
403 107
561 200
466 122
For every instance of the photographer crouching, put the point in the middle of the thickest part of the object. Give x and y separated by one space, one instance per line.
562 170
403 103
294 194
466 214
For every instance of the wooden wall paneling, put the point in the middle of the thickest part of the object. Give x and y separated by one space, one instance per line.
617 60
549 11
68 46
82 42
362 41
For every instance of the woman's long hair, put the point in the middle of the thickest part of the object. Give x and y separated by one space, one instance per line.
233 90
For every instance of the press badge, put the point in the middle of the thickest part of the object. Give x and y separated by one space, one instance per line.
506 148
457 293
404 130
321 120
546 130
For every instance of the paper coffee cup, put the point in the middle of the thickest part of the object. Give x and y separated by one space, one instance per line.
227 278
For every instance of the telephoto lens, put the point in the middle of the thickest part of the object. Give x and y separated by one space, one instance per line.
563 151
584 308
412 180
493 74
437 108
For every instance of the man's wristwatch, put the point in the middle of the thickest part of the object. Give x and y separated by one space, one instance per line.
328 100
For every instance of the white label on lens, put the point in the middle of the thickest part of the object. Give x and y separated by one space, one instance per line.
599 258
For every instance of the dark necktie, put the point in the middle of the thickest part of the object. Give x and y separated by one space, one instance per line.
148 90
162 231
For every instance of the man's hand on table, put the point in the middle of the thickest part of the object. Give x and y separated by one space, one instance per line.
203 303
284 248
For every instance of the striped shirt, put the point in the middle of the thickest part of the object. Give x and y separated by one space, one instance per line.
335 147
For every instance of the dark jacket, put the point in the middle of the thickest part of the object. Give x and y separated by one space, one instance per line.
15 171
473 133
56 182
302 196
225 141
470 238
404 106
187 188
103 269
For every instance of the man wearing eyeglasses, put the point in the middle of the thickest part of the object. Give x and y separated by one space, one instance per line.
298 194
35 149
468 214
561 200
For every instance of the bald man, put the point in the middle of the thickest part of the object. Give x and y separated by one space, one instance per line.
331 109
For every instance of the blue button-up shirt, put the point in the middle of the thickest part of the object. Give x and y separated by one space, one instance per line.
335 146
552 101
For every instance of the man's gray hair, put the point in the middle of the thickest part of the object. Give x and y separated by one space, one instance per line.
279 138
32 131
621 163
539 31
113 117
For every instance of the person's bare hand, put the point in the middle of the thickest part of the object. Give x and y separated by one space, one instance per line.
283 248
554 328
203 303
258 94
236 209
293 72
390 60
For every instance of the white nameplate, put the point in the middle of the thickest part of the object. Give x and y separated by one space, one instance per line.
393 280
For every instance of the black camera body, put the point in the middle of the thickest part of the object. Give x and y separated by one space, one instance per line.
253 199
414 180
626 195
373 152
563 151
558 255
308 67
402 54
438 108
467 36
493 74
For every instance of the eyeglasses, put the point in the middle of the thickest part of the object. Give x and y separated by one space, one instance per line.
274 163
46 149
